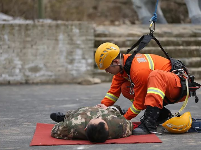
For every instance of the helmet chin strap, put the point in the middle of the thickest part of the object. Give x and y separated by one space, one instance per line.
121 63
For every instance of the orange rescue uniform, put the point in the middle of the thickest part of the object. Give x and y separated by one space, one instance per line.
152 82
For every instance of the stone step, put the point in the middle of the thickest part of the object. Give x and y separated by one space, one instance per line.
196 72
106 77
194 62
190 56
162 30
165 41
180 41
188 62
173 51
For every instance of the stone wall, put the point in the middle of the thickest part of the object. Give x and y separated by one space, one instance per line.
58 52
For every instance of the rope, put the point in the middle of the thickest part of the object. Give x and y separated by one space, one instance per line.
186 100
154 18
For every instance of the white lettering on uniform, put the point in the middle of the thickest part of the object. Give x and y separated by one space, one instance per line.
141 60
138 55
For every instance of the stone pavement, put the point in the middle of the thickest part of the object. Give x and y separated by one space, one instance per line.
22 106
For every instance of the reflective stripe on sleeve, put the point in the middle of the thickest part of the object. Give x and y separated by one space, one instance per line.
135 110
132 100
156 91
111 97
151 63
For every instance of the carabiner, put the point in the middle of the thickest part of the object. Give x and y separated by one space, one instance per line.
132 89
152 27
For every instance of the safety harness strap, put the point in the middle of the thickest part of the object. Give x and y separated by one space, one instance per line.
142 42
134 45
159 44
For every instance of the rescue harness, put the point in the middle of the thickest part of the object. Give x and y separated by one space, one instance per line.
188 85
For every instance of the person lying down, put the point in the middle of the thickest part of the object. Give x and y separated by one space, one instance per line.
96 124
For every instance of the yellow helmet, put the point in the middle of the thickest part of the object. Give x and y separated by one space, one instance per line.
105 54
179 124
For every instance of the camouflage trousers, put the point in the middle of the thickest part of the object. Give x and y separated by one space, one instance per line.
60 131
68 113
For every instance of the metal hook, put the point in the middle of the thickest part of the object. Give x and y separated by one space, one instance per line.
152 27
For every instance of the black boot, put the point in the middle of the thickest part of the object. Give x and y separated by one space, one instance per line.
57 117
149 120
139 131
164 115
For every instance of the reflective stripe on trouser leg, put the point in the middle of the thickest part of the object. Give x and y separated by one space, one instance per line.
154 97
156 91
135 110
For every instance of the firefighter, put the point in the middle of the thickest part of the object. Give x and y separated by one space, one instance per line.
150 85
